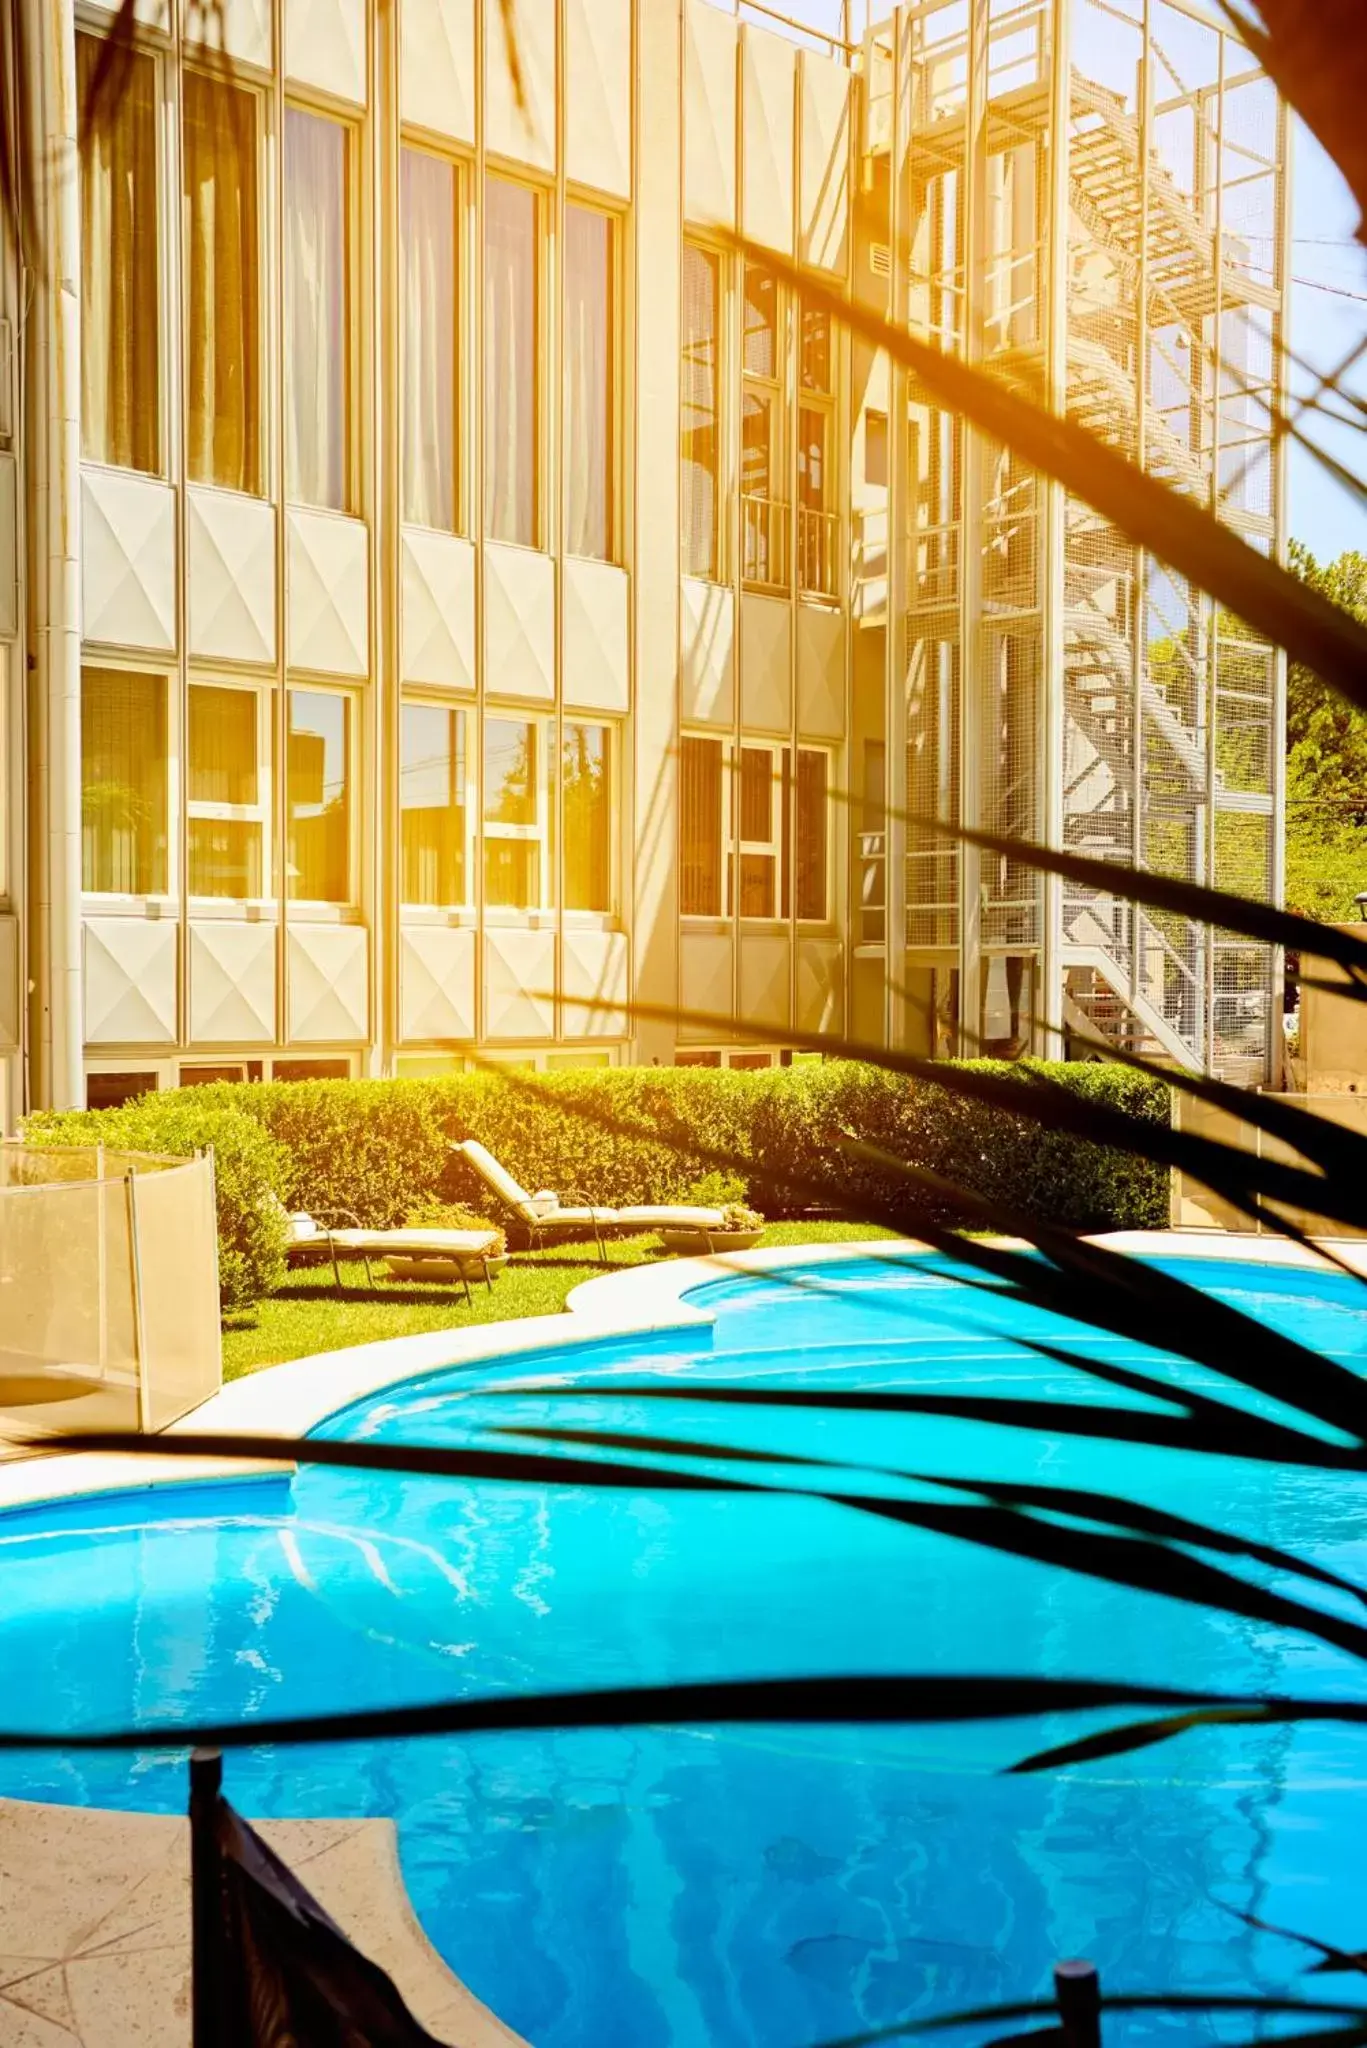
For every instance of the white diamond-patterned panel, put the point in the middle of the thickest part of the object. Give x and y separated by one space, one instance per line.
709 115
130 981
526 133
327 984
519 984
241 29
327 606
9 981
819 970
824 163
232 983
128 561
598 94
707 656
436 983
231 545
519 623
437 621
596 664
9 547
820 672
768 72
705 967
325 46
594 973
765 670
437 66
147 13
765 997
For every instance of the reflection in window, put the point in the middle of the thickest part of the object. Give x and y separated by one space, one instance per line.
586 798
319 796
223 793
511 415
123 783
699 429
588 383
432 804
120 349
810 861
700 826
517 785
763 493
223 353
427 283
759 839
317 311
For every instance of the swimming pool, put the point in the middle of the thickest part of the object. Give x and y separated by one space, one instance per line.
751 1886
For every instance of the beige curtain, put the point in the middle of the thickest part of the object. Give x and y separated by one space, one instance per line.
120 396
123 782
223 362
510 368
588 383
700 821
427 286
317 311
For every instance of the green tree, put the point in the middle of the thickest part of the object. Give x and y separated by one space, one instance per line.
1326 769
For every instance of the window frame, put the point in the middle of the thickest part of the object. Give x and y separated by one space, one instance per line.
781 846
615 360
722 741
772 525
611 730
260 813
542 832
818 400
324 909
462 423
418 913
827 755
237 80
542 209
353 197
772 848
718 567
104 901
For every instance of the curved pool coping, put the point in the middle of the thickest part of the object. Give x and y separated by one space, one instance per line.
295 1398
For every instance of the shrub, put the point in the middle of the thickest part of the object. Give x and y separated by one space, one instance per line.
250 1169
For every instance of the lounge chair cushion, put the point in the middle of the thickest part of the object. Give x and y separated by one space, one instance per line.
498 1177
302 1227
470 1244
672 1216
582 1219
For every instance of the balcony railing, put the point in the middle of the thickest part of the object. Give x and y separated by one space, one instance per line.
818 552
764 542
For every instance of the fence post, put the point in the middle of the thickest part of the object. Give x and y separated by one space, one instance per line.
139 1327
206 1901
1077 1987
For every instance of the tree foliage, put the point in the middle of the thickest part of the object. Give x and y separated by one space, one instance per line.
1326 773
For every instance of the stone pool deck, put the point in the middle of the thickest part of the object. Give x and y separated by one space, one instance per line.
95 1926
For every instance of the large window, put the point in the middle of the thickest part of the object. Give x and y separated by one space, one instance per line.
700 420
589 372
317 311
779 863
764 511
123 783
223 262
434 805
818 522
120 350
586 811
429 193
319 796
512 422
228 761
518 769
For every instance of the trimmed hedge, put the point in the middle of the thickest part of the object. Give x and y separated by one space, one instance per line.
382 1148
249 1168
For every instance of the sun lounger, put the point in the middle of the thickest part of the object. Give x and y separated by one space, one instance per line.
541 1213
338 1231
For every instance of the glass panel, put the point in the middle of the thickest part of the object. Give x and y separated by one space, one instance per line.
509 772
699 423
588 383
811 459
223 355
511 422
223 765
757 884
586 794
700 827
816 350
512 873
225 857
317 311
123 782
761 323
319 797
810 862
756 793
427 286
120 351
432 784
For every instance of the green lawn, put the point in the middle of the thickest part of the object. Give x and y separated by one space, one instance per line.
309 1314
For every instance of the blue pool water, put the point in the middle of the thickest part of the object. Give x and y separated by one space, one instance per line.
773 1887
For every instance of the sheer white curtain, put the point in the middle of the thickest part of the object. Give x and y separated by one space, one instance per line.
588 383
510 366
120 400
317 310
427 260
222 370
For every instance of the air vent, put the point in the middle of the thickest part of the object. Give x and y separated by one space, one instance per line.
880 259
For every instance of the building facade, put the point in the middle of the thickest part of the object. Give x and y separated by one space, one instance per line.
454 604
